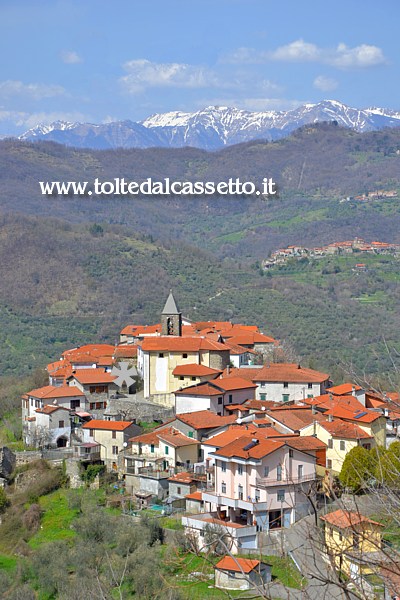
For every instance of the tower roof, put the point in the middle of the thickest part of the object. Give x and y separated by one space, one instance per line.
170 307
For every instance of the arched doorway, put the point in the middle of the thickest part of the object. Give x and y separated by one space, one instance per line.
62 442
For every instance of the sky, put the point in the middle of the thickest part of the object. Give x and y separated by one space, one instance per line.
101 60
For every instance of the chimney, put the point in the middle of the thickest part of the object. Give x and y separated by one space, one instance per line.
330 418
299 366
385 412
353 390
313 409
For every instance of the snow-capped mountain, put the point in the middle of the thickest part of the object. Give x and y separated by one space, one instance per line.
211 128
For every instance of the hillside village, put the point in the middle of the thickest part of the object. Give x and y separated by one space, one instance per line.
243 443
358 245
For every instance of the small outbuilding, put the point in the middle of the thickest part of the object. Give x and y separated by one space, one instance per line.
233 573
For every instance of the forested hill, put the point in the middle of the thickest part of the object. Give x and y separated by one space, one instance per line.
314 168
64 284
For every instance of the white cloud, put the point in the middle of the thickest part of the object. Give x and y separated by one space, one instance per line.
298 51
70 57
342 57
360 56
35 91
142 74
27 120
325 84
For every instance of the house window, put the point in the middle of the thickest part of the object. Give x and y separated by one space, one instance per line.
342 445
262 384
115 449
310 386
330 443
266 471
178 490
184 355
240 492
240 470
279 473
310 396
91 432
114 435
291 453
152 448
280 496
329 463
61 424
219 399
285 384
367 446
223 467
91 405
181 377
263 396
190 434
75 403
257 495
300 471
193 378
223 487
161 355
230 398
166 450
285 398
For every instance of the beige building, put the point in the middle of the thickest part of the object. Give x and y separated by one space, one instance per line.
353 542
113 438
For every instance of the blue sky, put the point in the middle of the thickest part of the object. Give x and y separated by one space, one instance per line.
98 60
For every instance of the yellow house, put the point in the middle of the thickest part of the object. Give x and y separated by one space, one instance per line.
113 438
373 423
340 437
353 542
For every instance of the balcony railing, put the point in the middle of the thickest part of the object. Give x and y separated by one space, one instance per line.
267 481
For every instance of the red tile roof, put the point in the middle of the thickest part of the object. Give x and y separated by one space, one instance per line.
290 372
344 389
92 376
262 447
107 425
92 350
344 430
362 415
139 330
195 496
175 438
216 387
51 391
183 477
168 343
295 417
50 408
194 370
344 519
129 351
205 419
238 565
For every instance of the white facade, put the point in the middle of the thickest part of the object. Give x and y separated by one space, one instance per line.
287 391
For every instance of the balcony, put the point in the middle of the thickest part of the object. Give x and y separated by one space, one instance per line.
220 500
268 482
88 452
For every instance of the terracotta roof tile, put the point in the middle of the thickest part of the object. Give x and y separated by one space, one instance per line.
344 519
51 391
107 425
345 430
238 565
194 370
343 389
205 419
181 344
92 376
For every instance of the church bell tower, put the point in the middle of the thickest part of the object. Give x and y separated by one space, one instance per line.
171 318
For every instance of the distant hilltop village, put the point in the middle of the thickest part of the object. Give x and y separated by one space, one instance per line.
376 195
353 246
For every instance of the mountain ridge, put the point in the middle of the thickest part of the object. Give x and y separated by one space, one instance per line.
211 128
